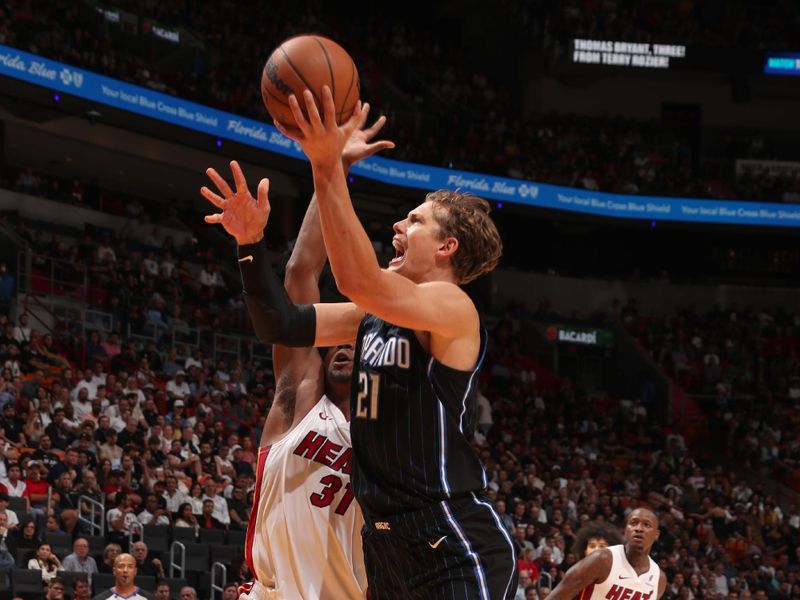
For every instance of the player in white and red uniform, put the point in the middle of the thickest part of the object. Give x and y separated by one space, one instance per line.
304 535
312 545
621 572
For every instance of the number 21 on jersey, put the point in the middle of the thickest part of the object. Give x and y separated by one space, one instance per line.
367 399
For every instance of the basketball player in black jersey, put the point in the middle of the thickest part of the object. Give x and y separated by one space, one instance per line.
430 532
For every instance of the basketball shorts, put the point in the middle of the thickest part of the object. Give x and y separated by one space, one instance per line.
454 550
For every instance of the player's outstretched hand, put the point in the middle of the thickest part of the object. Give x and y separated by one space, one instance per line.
358 146
242 216
322 140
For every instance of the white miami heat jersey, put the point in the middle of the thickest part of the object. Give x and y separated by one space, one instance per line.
304 535
622 582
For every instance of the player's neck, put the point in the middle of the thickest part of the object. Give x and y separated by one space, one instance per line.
638 559
436 274
339 394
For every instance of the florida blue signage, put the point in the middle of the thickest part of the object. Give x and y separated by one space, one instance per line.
143 101
782 63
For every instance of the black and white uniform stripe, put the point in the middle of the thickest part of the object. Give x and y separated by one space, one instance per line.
417 477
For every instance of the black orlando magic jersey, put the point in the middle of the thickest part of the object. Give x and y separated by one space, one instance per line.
412 422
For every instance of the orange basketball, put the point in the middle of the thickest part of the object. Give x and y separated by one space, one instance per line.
309 61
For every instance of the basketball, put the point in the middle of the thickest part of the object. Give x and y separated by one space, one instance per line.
309 61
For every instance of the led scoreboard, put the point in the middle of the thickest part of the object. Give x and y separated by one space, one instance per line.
626 54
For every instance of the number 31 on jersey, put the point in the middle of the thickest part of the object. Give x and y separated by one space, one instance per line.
367 399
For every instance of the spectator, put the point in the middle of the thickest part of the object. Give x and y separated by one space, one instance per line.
59 433
8 548
527 564
81 590
178 389
110 554
524 582
186 518
163 591
79 559
188 593
11 483
55 591
66 502
69 466
90 489
132 434
22 332
27 534
144 564
210 276
43 455
110 450
11 520
173 496
207 520
52 525
230 592
155 512
238 508
220 512
122 519
46 562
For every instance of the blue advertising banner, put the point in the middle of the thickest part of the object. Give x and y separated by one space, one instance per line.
782 63
98 88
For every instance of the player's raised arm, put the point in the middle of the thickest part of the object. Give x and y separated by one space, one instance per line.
593 569
433 302
276 319
298 370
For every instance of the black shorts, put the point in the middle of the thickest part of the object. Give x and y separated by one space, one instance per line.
454 550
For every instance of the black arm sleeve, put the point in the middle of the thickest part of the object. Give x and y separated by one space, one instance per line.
276 319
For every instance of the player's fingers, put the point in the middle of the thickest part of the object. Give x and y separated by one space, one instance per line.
215 218
353 122
215 199
362 119
262 200
238 178
381 145
314 117
376 126
299 117
293 133
374 148
328 106
218 180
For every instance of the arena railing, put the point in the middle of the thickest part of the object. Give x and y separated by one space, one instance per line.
215 587
44 275
173 566
96 521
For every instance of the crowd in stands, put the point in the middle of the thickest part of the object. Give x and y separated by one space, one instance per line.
743 365
173 444
147 282
558 458
440 110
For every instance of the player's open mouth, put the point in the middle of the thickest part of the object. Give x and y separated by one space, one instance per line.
399 253
342 359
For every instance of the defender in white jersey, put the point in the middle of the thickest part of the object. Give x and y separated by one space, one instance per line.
306 504
621 572
304 536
